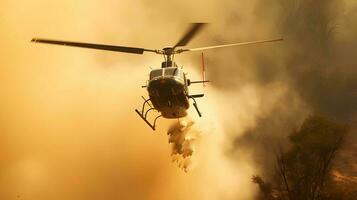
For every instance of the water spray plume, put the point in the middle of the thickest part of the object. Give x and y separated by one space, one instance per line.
183 138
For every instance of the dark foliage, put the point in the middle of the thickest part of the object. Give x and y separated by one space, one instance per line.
303 172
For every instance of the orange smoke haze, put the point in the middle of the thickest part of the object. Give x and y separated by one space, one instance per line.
68 126
68 129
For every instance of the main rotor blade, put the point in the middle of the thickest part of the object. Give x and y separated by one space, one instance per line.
234 44
192 31
133 50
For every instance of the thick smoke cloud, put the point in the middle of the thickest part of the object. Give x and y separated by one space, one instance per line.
316 63
68 130
320 62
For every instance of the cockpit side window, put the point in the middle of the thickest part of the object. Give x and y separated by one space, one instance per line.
180 73
155 73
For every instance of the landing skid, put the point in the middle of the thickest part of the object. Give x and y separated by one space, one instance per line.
143 114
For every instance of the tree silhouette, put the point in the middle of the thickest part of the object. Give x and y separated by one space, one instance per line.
302 172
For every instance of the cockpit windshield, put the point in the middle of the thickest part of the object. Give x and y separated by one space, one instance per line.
169 71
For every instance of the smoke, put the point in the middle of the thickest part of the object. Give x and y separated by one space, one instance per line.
68 126
315 64
68 130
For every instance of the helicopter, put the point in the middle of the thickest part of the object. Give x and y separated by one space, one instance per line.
167 86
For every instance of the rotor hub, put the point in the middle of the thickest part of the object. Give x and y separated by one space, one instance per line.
168 51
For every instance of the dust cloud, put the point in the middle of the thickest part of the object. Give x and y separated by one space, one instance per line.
68 126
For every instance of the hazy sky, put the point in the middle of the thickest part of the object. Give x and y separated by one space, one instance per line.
68 126
68 129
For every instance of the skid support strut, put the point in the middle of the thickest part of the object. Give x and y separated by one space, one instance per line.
195 103
144 113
